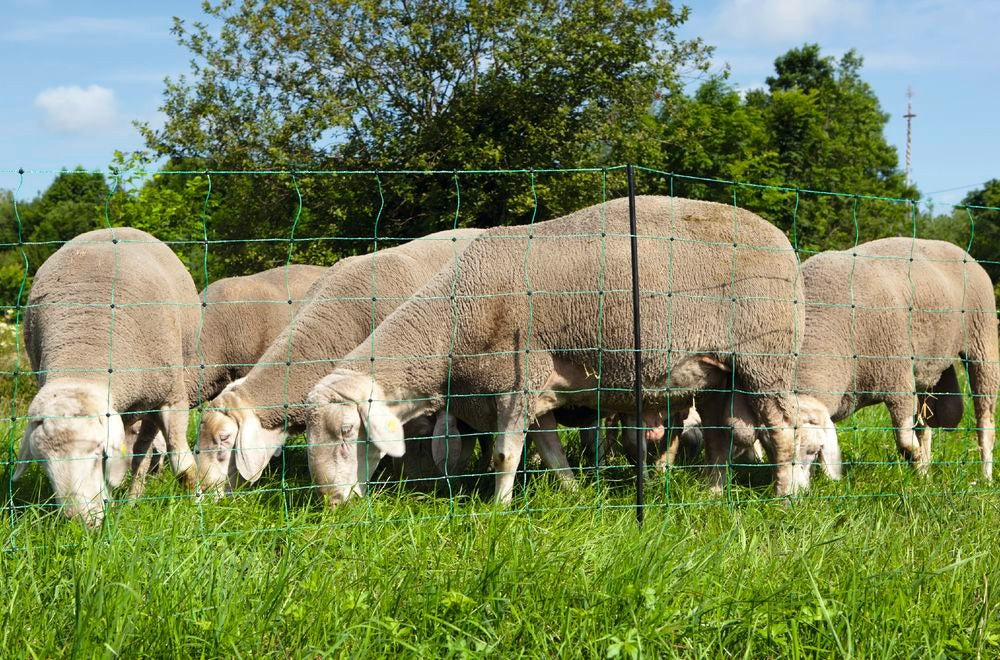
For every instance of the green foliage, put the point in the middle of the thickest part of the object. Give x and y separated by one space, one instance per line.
72 204
974 224
985 222
442 84
817 126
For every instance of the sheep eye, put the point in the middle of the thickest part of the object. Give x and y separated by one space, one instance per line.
346 429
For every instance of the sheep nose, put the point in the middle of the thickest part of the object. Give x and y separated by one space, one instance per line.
91 516
337 497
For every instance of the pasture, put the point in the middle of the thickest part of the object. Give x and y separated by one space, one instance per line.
884 563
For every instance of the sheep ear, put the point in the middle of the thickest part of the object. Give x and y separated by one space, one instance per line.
24 453
829 454
116 450
252 446
384 429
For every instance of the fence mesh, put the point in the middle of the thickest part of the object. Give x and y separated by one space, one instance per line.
452 452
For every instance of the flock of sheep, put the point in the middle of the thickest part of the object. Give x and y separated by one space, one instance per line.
504 331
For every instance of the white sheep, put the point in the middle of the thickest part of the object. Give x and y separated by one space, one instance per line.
245 425
539 317
109 326
885 322
240 317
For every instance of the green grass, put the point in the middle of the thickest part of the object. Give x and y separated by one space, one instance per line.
883 563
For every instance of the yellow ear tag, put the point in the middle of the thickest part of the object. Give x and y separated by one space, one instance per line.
124 451
392 426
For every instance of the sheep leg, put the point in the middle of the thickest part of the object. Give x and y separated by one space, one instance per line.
593 445
142 457
923 456
682 427
717 440
781 449
547 443
987 434
668 458
902 411
716 458
508 446
174 421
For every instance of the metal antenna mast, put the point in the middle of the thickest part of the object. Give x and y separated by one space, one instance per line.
909 129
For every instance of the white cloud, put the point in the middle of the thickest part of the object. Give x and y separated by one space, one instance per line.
76 109
771 21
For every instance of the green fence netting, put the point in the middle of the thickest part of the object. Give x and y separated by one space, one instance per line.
600 472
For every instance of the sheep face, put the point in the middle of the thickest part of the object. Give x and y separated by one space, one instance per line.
817 440
233 444
350 429
81 444
341 460
214 451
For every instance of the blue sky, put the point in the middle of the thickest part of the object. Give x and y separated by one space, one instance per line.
76 74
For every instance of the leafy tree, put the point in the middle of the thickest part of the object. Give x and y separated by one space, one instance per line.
977 221
981 212
435 84
72 204
816 126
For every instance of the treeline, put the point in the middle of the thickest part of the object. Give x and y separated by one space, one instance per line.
452 85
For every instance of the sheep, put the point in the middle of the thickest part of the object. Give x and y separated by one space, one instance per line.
109 326
245 425
240 318
538 317
885 322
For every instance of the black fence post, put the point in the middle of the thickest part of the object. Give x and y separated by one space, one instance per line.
640 431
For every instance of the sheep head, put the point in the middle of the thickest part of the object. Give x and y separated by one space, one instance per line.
817 440
75 433
232 443
350 428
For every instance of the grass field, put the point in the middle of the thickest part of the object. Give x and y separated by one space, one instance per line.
881 564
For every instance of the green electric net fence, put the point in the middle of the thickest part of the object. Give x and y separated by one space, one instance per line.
474 340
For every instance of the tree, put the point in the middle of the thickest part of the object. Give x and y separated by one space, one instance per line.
817 126
73 203
979 216
434 84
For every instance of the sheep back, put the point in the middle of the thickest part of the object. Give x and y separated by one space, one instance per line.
344 305
129 307
715 281
242 316
891 315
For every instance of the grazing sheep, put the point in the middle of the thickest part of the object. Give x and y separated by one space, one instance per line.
530 316
109 326
247 423
241 316
885 322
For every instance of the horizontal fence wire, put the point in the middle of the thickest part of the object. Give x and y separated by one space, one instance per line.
472 349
